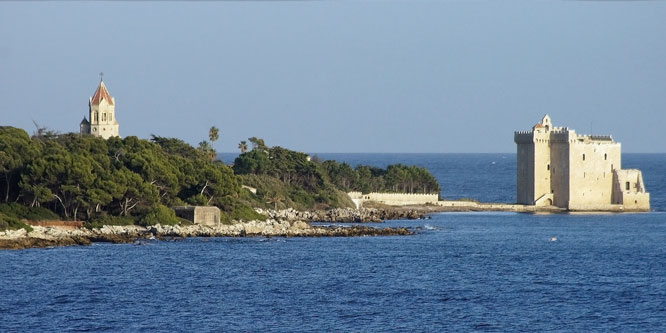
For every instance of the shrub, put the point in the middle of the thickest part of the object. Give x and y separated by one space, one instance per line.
12 223
245 213
159 214
29 213
224 218
302 198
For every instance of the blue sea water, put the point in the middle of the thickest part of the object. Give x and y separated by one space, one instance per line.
459 272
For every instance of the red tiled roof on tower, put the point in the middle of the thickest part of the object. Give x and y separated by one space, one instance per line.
101 94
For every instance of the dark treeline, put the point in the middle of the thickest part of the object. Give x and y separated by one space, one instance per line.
81 177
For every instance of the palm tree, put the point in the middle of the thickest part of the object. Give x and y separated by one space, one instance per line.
242 146
213 134
275 199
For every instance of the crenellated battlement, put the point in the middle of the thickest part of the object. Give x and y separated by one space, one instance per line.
523 137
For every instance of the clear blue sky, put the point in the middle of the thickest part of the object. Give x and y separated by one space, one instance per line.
325 76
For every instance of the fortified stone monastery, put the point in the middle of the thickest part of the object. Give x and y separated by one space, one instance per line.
101 114
577 172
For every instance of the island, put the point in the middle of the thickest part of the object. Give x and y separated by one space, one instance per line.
68 189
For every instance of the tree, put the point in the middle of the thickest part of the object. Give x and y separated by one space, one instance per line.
213 134
16 150
255 161
174 146
275 199
207 150
257 143
242 146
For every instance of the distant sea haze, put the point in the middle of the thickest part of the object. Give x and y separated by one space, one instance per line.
490 177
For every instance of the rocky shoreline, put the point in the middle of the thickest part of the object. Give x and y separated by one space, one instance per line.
54 236
346 215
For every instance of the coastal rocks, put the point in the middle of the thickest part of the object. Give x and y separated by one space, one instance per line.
357 215
355 231
288 214
53 236
30 242
42 237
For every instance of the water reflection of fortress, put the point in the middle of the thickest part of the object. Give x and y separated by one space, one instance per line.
558 167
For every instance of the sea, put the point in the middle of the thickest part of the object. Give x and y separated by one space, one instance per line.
459 272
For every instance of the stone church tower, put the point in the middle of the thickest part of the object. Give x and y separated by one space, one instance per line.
101 117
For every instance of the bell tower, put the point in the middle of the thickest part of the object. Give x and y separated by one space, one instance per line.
102 113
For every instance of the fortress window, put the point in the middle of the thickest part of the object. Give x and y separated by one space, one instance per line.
96 116
583 157
110 116
628 186
548 167
104 116
605 156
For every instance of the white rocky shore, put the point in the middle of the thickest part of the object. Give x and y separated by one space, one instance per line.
272 227
345 214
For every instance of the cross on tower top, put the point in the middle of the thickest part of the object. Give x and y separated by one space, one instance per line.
101 76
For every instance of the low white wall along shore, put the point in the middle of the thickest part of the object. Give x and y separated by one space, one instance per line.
393 199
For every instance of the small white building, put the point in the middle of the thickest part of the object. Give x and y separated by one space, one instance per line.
203 215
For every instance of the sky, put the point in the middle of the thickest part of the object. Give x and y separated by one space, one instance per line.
342 76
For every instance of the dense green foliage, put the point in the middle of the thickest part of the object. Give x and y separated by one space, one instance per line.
133 181
285 178
159 214
12 223
83 177
28 213
395 178
11 215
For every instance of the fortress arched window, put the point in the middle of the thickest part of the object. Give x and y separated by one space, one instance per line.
605 157
548 167
104 116
96 116
628 186
583 157
110 116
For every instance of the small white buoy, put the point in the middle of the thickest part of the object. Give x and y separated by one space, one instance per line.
553 239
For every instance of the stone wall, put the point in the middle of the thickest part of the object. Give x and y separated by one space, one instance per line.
629 190
591 166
